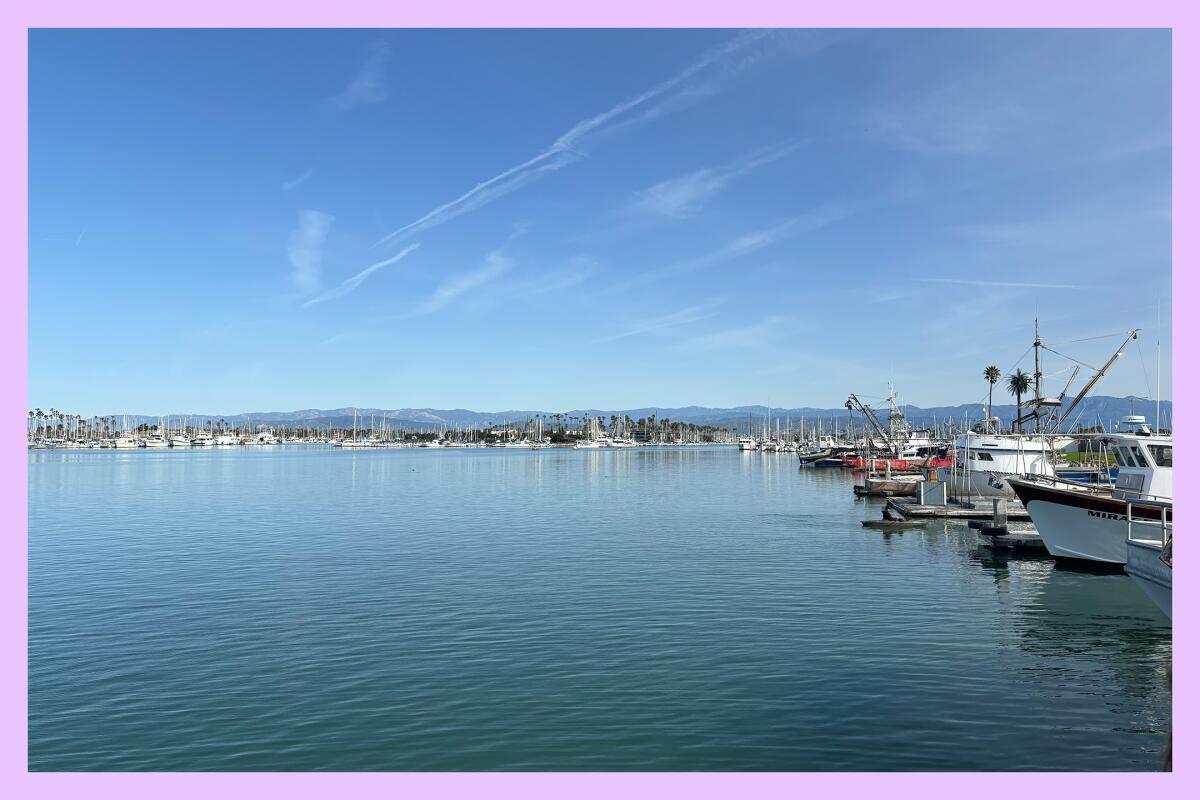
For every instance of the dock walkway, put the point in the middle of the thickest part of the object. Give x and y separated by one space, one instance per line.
909 509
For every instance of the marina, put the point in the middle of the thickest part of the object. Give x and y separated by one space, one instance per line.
647 400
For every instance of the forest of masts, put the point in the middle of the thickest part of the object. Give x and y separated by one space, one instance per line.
56 425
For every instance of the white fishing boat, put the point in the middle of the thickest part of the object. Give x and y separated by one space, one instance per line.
984 462
747 444
179 440
202 439
1094 523
128 442
225 440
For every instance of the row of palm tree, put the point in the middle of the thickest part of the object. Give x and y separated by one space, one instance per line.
1018 385
54 424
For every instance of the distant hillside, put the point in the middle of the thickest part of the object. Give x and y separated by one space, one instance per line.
1096 410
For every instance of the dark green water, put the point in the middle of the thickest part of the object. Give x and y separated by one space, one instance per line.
304 608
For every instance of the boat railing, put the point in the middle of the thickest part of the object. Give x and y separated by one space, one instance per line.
1142 499
1164 527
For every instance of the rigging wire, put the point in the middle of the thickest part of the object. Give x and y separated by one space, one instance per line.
1093 338
1068 358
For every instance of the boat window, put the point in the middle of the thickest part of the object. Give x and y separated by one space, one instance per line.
984 456
1119 455
1161 453
1135 457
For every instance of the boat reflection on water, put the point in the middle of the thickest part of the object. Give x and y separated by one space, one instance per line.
1091 630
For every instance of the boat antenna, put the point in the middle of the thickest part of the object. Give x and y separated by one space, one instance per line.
1157 364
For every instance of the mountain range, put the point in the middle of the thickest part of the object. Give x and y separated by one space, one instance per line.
1099 409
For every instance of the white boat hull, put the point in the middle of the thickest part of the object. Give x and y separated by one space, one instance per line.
1070 532
1080 524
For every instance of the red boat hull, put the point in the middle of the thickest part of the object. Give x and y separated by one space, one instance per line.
882 463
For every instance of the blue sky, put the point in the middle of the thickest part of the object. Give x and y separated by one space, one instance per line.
227 221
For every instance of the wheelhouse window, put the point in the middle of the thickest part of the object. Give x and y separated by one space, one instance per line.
1161 453
1134 454
983 456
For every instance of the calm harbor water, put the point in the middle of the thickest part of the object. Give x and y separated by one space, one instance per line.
309 608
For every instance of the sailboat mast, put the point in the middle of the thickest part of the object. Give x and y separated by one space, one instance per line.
1037 378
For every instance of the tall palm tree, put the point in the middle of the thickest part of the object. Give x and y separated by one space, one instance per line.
992 375
1018 384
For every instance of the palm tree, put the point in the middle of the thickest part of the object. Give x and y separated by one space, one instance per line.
1018 384
992 375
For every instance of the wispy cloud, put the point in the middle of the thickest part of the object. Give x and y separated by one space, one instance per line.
684 196
296 181
566 148
968 112
495 265
352 283
577 270
686 316
369 84
1004 284
1086 229
79 238
758 335
744 245
304 250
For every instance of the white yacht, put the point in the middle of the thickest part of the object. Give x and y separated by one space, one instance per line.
225 440
1094 523
179 440
128 442
156 439
202 439
746 443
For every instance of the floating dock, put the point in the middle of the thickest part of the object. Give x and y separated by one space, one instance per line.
1005 538
909 509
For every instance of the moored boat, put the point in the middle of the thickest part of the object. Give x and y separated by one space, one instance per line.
1149 564
1093 523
